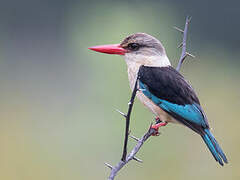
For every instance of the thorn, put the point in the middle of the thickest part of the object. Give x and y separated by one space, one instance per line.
108 165
184 57
135 138
121 113
189 18
129 132
178 29
188 54
180 45
138 160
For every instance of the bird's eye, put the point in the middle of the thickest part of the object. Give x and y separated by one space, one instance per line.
133 46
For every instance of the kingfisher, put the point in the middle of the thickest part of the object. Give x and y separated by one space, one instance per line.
162 89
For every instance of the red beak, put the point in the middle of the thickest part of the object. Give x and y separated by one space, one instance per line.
109 49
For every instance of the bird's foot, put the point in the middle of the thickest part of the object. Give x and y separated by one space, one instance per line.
156 126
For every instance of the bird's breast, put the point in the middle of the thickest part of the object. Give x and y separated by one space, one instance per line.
132 76
156 110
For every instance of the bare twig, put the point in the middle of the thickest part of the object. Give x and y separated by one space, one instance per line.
132 155
183 44
130 106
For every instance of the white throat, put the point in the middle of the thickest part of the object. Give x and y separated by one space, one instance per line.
155 60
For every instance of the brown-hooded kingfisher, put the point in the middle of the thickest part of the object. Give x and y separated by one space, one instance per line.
163 90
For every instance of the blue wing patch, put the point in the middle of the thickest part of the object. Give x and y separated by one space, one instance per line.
189 112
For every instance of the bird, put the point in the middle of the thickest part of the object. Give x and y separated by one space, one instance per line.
162 89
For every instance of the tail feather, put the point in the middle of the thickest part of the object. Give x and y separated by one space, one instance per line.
214 147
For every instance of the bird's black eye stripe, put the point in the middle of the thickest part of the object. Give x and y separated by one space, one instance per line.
133 46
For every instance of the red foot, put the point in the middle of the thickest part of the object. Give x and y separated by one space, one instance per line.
157 126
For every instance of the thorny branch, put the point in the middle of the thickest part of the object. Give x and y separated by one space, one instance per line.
184 53
132 155
130 105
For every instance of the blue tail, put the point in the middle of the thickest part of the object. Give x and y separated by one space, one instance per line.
214 147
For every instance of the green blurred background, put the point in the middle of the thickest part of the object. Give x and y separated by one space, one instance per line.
57 98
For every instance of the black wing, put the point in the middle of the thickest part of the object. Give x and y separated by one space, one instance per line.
167 88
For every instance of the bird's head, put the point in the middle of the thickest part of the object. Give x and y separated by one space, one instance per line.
138 48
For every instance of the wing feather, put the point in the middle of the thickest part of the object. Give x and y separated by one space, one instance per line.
168 89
